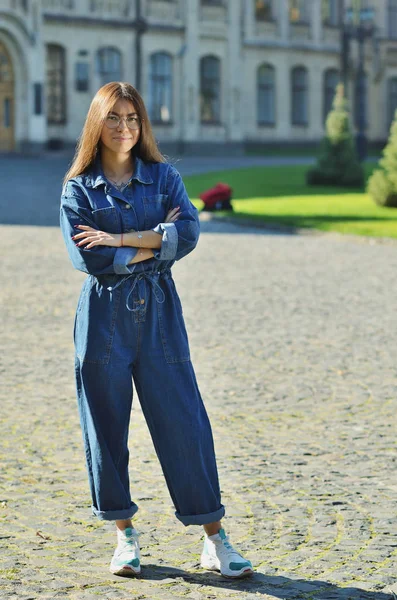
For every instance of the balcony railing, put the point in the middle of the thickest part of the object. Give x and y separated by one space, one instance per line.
164 11
266 29
213 13
102 9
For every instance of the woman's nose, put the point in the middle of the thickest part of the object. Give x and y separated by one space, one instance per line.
122 125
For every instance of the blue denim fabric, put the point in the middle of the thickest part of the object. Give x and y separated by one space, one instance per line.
129 325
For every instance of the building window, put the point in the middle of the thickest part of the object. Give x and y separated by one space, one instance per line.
210 83
82 74
212 2
55 85
299 11
264 10
266 95
392 18
392 100
299 96
160 87
331 80
360 100
109 65
331 12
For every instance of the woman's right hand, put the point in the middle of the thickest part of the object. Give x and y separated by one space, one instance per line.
172 215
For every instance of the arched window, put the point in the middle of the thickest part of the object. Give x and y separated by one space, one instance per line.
56 84
160 87
210 85
392 18
266 95
299 96
331 80
109 65
391 99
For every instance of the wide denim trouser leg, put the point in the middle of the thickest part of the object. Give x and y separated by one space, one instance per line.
149 345
182 437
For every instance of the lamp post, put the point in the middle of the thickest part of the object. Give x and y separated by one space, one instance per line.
358 24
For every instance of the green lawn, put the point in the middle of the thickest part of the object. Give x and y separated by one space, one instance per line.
280 195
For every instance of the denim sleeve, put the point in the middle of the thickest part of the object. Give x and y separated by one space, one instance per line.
99 260
181 237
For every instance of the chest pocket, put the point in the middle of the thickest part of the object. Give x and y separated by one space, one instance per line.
107 219
156 208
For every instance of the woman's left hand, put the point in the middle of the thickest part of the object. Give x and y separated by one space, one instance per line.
92 237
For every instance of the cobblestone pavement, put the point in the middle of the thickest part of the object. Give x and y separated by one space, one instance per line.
293 342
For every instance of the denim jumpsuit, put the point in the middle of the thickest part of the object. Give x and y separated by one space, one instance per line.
129 325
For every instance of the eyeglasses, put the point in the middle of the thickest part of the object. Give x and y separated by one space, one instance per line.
113 122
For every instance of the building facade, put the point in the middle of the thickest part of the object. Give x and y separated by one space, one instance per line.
230 73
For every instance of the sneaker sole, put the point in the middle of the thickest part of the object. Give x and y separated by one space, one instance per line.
125 572
246 573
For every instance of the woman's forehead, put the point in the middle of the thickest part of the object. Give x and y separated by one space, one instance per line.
125 106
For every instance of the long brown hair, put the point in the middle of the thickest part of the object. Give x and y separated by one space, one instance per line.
102 103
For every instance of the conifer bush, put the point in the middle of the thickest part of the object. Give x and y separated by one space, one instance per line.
338 163
382 185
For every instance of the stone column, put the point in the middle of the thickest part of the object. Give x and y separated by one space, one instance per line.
190 74
316 24
249 20
283 19
36 69
231 71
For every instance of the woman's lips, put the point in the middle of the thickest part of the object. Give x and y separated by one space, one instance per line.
123 139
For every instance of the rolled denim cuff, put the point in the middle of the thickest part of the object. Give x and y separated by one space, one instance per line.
169 243
121 259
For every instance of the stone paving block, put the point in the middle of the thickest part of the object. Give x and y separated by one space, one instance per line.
292 342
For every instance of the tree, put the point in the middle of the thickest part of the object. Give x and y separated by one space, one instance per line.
382 185
338 163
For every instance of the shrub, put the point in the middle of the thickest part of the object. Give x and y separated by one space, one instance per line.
382 185
338 163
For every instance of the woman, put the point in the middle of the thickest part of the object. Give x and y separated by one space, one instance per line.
126 218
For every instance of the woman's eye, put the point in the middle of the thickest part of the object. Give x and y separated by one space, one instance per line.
112 118
132 120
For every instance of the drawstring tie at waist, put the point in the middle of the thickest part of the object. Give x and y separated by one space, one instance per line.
152 278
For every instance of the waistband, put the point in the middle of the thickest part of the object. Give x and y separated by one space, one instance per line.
152 277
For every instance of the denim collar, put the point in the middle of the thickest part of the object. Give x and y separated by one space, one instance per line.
95 177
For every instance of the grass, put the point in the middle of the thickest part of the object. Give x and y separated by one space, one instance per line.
279 195
296 150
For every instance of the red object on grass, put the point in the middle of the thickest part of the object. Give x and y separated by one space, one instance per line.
219 193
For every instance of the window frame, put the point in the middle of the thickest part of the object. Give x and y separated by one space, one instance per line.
61 81
297 120
266 88
98 58
218 81
158 79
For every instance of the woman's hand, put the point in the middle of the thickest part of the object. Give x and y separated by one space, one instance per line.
93 237
172 215
90 237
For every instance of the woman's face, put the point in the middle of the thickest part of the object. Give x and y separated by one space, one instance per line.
121 138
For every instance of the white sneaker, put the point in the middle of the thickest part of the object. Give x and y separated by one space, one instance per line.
219 555
126 558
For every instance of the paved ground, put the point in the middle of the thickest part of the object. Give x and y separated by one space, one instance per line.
293 342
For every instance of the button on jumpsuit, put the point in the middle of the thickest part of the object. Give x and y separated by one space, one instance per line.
129 325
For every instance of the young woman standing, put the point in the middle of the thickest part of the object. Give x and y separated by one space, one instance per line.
126 218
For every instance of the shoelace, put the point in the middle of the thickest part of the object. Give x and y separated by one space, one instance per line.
226 544
126 542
